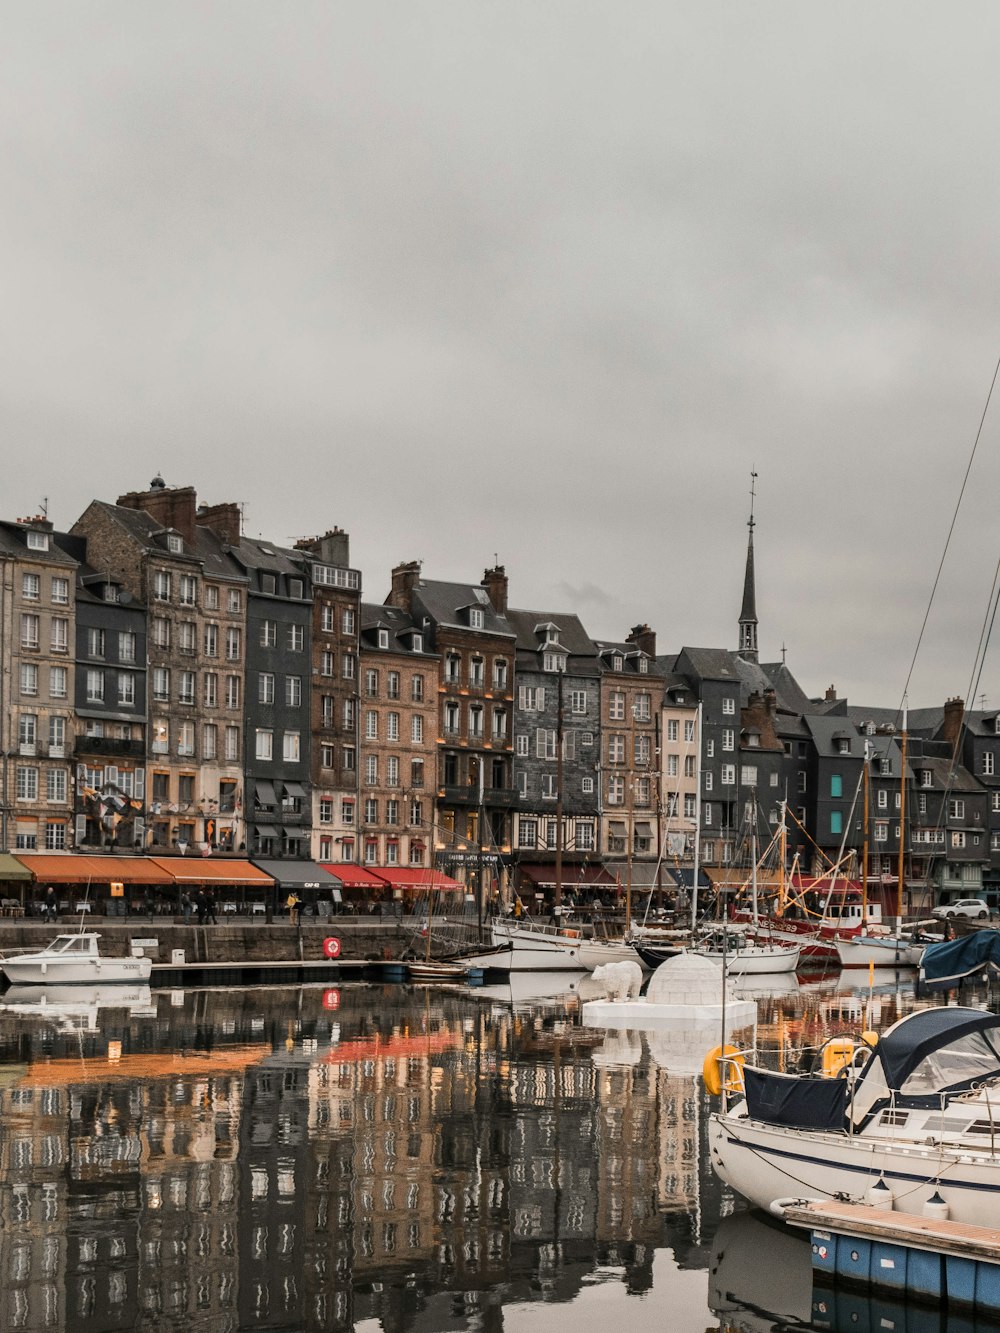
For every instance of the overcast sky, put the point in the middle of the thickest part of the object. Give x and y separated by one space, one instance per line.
536 280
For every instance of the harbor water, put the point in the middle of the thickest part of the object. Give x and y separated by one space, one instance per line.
391 1157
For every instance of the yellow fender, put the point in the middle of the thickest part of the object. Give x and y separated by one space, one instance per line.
711 1070
837 1055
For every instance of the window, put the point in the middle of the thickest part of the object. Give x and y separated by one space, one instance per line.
326 755
371 683
392 727
728 707
642 791
296 638
956 809
958 840
31 587
673 765
326 620
27 783
161 586
392 812
987 763
209 741
689 805
55 835
392 771
188 589
293 691
836 822
549 789
327 703
709 781
59 634
57 736
326 662
706 819
882 800
836 786
710 749
95 686
185 740
451 718
383 638
416 729
616 749
161 684
29 630
371 725
843 745
530 699
527 832
417 689
371 770
290 747
58 682
27 733
728 775
392 688
748 775
161 632
265 744
617 663
499 731
296 589
175 543
211 641
211 689
347 811
728 739
232 691
640 710
126 646
926 777
545 743
268 633
126 689
476 617
232 743
642 747
347 622
211 596
673 730
689 731
616 790
185 692
616 706
499 674
689 765
477 672
452 669
161 736
234 599
233 644
475 721
881 830
416 772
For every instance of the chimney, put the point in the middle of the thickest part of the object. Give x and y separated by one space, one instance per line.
643 637
954 712
405 578
333 548
495 583
770 702
171 506
831 694
224 520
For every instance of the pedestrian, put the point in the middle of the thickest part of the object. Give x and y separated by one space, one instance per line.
210 907
186 907
293 904
201 906
50 905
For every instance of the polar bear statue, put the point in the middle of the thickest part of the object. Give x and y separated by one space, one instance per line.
622 981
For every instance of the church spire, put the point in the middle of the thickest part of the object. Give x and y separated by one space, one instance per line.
748 612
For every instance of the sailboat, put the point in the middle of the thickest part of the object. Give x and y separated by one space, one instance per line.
745 948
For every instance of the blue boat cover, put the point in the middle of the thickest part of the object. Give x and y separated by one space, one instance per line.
795 1100
948 962
918 1035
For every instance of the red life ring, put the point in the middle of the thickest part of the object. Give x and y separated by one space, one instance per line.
331 947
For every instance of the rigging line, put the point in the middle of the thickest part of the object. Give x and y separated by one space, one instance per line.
951 530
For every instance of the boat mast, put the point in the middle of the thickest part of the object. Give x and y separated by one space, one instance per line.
557 900
864 841
902 821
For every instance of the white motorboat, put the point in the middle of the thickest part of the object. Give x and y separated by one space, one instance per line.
72 959
76 1007
595 953
745 957
917 1116
539 948
867 950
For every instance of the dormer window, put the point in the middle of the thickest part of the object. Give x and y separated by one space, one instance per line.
112 592
295 588
885 769
552 662
383 638
617 663
843 745
926 777
37 541
417 643
175 543
268 583
753 740
643 666
477 617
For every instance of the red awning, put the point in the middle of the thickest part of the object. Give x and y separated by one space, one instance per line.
352 876
400 877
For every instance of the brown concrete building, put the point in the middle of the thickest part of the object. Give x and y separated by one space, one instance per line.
152 544
334 711
466 626
37 681
398 728
631 704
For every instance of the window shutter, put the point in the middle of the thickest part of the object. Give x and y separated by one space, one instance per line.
569 744
80 825
540 697
521 692
541 736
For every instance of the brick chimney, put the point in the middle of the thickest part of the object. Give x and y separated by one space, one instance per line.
171 506
831 694
954 712
333 548
495 583
405 578
644 638
224 520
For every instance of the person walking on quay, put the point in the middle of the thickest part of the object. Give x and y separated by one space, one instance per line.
210 908
200 906
293 904
50 906
186 906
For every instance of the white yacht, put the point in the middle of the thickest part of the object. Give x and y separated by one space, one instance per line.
72 959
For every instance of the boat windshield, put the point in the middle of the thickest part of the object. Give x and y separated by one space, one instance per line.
71 944
961 1064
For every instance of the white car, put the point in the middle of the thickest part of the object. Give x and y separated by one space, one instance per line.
974 907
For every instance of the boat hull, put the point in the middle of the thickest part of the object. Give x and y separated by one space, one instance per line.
872 950
538 950
757 960
770 1163
595 953
31 970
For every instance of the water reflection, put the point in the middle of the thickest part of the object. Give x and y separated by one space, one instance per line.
308 1158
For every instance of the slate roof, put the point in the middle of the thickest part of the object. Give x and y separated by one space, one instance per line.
982 723
13 542
631 652
392 618
572 636
786 687
443 601
947 777
257 553
208 549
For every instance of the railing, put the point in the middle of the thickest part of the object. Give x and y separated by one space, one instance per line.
107 745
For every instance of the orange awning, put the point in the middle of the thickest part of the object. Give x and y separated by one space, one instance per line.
212 870
353 876
142 1067
95 870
